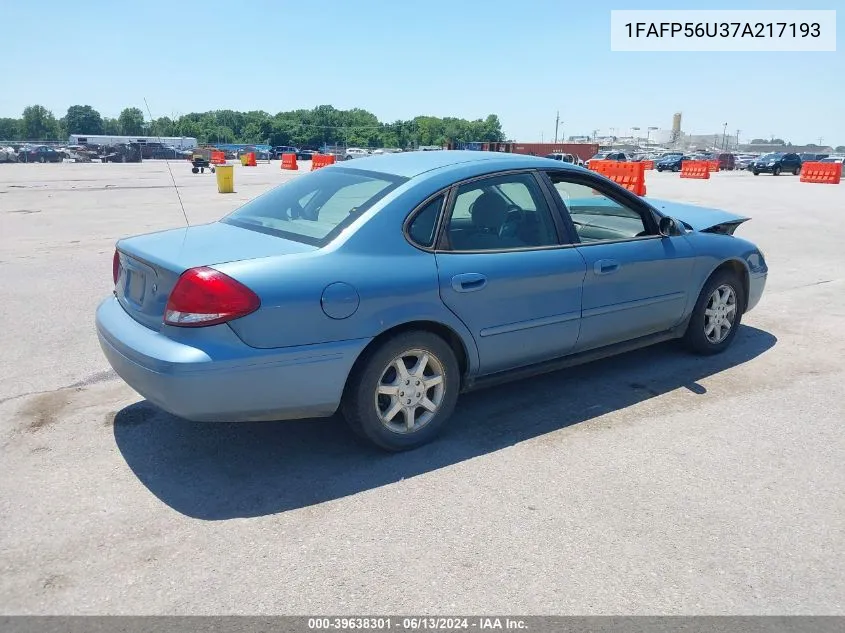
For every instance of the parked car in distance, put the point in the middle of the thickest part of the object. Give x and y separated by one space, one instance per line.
566 158
776 163
355 152
671 162
834 158
385 289
744 161
609 155
727 161
40 154
809 157
122 153
278 150
305 153
8 154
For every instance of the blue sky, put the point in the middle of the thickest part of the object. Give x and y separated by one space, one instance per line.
520 59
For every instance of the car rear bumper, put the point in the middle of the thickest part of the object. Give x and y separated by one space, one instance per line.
209 374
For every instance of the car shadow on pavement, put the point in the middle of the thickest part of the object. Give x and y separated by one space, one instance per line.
217 471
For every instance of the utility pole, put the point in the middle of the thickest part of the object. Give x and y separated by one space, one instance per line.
820 140
725 138
737 139
557 122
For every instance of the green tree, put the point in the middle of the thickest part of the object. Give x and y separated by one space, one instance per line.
840 148
83 120
163 126
111 127
131 122
38 124
10 129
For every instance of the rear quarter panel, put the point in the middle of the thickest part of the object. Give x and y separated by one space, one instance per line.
395 283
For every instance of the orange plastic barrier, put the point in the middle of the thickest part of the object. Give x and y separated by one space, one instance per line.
320 160
250 160
648 164
713 165
218 158
826 173
695 169
289 161
629 175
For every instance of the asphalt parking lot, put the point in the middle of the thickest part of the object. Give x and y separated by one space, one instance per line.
656 482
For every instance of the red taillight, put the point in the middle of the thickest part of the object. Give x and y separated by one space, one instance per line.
204 296
115 267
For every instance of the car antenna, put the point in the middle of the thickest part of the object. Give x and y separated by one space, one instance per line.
167 162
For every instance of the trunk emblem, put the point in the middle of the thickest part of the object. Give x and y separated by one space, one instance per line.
155 287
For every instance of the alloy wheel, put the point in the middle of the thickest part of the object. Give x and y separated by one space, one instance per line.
719 314
410 391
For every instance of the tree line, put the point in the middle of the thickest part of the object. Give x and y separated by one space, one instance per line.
321 125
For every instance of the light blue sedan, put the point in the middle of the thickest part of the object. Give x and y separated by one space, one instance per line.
386 288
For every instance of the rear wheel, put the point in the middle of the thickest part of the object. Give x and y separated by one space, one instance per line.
796 171
717 314
402 394
676 168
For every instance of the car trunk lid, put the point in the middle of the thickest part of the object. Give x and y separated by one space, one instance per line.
150 265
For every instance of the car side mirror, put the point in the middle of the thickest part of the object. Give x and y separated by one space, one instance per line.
668 227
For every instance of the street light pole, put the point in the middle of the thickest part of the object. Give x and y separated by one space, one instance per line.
725 138
557 122
647 133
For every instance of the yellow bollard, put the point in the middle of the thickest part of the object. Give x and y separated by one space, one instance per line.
225 178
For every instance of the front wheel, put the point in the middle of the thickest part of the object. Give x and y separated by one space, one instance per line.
776 171
796 171
717 314
401 394
755 172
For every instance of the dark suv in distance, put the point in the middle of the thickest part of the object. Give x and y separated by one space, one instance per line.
671 162
727 162
807 157
776 163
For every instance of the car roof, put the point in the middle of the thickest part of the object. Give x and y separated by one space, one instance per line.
411 164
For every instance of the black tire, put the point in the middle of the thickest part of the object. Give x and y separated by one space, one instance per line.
695 338
659 169
676 168
195 170
359 400
755 172
42 160
796 171
775 171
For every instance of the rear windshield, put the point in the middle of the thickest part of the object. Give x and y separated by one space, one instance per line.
772 156
316 207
